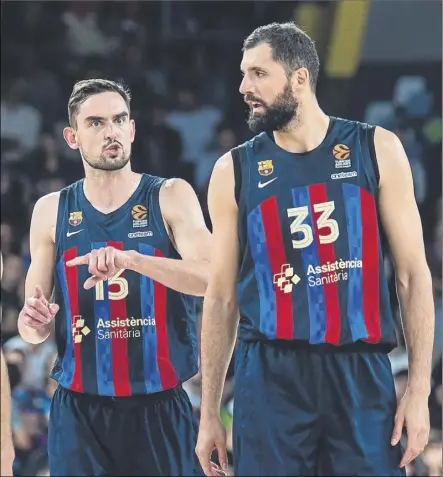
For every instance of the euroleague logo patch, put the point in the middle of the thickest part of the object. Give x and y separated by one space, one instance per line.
140 216
341 153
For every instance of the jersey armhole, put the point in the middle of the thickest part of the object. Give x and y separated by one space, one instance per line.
372 154
237 173
59 225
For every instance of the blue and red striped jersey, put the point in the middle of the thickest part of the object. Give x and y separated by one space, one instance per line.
310 239
129 335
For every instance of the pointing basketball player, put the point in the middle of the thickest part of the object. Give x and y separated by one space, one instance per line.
297 267
125 255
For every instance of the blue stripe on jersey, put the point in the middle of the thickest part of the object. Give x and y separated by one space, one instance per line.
263 274
103 347
68 356
351 195
149 335
316 297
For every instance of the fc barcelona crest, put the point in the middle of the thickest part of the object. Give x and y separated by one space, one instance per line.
75 218
265 168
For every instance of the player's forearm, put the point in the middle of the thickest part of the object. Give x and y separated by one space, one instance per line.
31 335
418 317
218 335
185 276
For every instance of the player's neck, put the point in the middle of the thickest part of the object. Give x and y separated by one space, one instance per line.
308 131
108 191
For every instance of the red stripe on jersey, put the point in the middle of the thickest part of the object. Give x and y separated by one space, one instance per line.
326 253
72 282
370 270
117 310
277 258
168 377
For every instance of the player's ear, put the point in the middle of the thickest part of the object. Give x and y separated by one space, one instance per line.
132 125
70 137
300 78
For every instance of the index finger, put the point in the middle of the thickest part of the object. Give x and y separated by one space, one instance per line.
82 260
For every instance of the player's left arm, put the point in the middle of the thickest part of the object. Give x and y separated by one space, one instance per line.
183 216
401 222
184 219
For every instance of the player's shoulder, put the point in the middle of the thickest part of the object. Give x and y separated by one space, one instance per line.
44 215
47 203
386 140
176 194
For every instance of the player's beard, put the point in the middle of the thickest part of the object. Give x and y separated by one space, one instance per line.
275 116
104 163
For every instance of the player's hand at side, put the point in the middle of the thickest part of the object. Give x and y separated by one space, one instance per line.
215 469
211 435
37 311
412 413
102 264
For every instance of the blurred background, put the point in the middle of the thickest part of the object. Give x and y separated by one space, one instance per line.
381 64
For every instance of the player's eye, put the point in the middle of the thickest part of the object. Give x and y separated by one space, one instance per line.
95 124
120 120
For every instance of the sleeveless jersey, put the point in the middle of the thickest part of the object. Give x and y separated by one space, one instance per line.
128 335
311 265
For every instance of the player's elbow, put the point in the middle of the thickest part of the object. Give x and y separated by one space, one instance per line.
407 277
222 300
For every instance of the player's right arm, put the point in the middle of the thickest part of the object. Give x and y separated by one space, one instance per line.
35 319
220 311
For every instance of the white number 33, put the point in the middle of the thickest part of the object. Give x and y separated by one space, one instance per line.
324 221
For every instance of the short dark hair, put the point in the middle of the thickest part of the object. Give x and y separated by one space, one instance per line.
84 89
291 47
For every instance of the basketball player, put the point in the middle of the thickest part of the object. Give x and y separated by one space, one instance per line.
125 253
6 443
297 213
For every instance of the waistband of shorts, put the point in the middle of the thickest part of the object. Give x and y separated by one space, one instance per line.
134 400
326 348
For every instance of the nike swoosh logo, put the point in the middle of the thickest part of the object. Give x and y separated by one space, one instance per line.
264 184
68 234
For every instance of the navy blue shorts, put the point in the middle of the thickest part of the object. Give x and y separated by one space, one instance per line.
313 410
139 435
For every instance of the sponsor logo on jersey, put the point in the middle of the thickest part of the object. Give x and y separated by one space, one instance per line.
75 218
265 168
344 175
341 153
264 184
68 234
79 330
122 327
286 278
140 234
140 216
331 272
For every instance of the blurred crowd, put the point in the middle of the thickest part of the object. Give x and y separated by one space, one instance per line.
188 112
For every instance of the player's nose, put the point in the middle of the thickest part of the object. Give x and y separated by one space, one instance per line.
110 132
246 86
